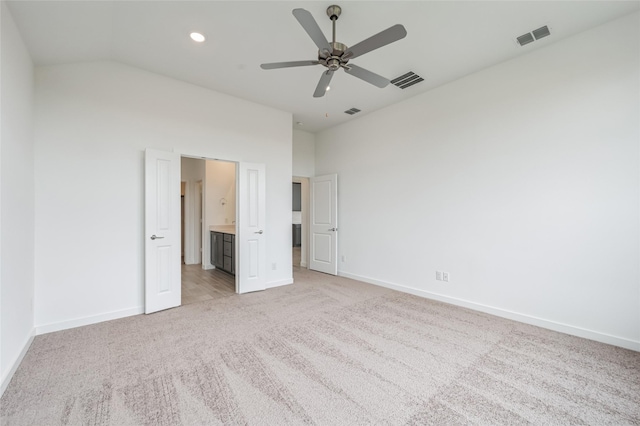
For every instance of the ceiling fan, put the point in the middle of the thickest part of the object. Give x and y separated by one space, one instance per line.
335 55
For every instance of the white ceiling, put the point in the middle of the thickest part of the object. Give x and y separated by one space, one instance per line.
446 40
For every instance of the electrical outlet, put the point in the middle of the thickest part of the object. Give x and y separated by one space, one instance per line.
445 277
273 266
342 258
438 275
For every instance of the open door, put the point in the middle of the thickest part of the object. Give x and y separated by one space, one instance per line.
251 246
162 231
324 224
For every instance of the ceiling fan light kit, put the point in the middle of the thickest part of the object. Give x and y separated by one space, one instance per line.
336 55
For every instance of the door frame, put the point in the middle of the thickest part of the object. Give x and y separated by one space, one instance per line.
205 254
205 243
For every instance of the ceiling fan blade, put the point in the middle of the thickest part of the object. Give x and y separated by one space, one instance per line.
321 89
275 65
383 38
366 75
311 27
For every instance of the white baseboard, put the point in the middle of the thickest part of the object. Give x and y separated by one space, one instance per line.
303 264
79 322
527 319
6 379
273 284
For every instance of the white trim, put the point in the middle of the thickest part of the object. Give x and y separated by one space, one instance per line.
94 319
527 319
280 283
303 264
16 363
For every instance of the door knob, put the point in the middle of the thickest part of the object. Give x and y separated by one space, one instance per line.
259 232
153 237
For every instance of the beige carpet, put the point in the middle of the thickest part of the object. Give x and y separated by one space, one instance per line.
325 350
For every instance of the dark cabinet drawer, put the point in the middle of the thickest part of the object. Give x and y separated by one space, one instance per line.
297 235
216 249
223 251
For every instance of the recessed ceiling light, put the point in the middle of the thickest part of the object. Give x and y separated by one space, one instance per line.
328 88
197 37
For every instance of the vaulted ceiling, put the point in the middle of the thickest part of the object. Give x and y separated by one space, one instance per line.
446 40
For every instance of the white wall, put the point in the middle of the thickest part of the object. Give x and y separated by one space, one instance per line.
93 122
303 153
521 181
220 183
16 199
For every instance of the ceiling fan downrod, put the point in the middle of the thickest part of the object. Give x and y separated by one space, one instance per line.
334 60
333 12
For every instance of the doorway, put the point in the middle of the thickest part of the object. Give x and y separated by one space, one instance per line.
300 222
210 204
162 218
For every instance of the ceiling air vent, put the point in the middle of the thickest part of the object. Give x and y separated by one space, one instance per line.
533 35
525 39
541 32
406 80
352 111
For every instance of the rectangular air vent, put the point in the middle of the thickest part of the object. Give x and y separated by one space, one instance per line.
541 32
534 35
352 111
525 39
406 80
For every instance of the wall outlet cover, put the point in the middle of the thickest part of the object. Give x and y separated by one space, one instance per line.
438 275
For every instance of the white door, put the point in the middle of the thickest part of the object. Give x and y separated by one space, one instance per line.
250 242
162 230
324 224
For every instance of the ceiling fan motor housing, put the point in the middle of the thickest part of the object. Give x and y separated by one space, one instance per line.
334 60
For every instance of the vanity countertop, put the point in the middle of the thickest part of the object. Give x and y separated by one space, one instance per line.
225 229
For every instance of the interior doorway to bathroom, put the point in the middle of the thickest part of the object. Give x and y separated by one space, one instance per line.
209 203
